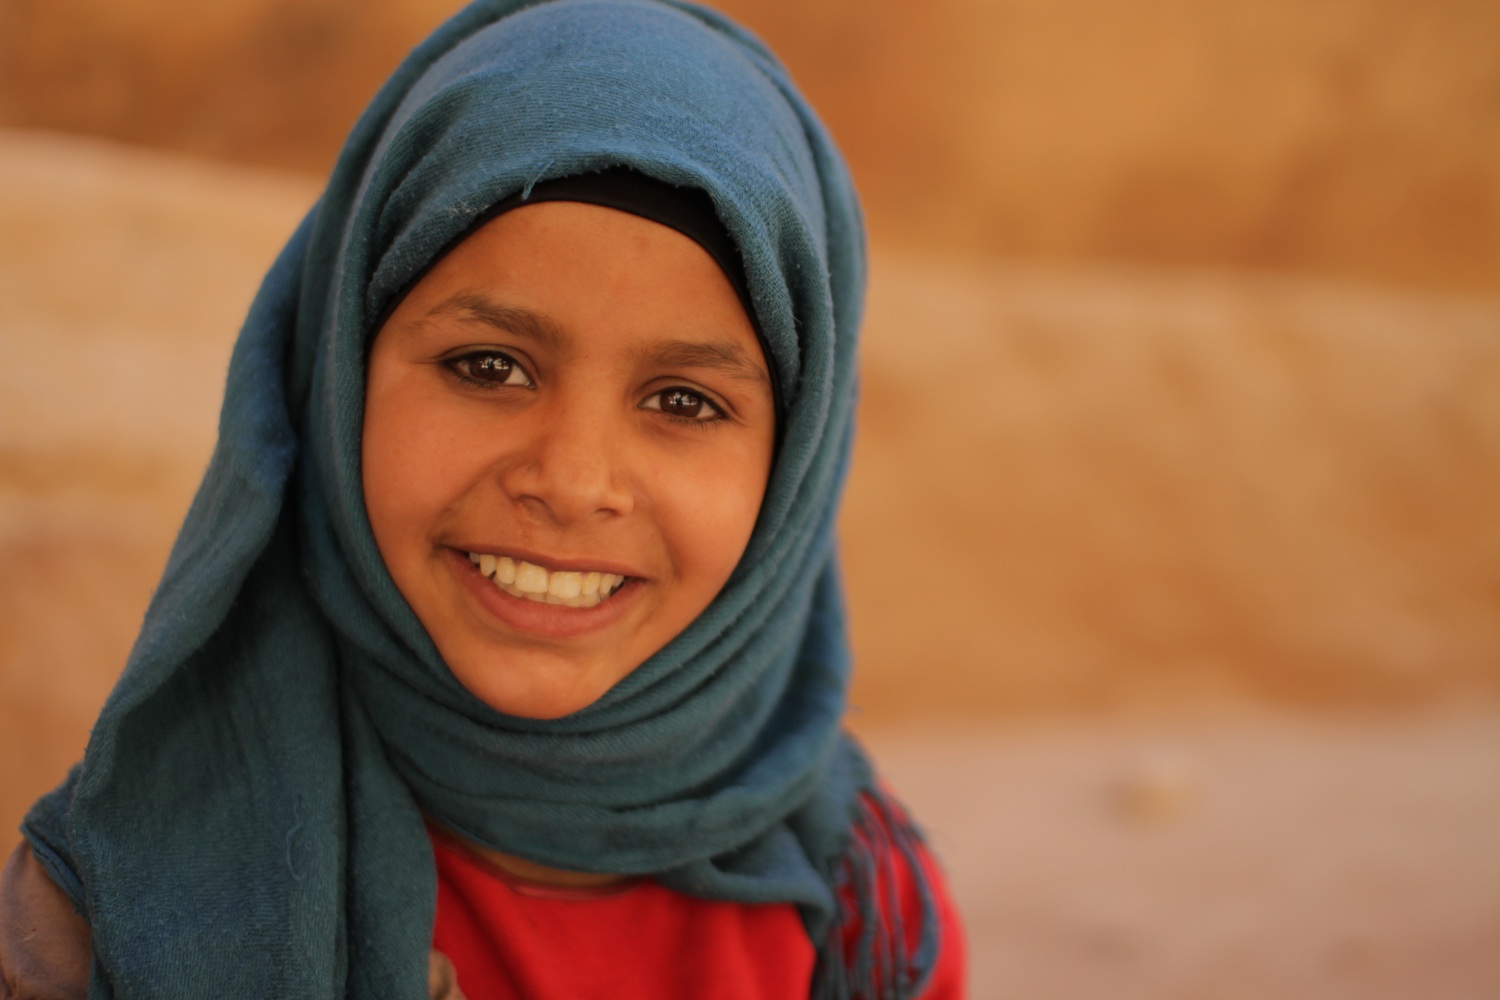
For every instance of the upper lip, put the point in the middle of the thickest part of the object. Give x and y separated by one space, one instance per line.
553 564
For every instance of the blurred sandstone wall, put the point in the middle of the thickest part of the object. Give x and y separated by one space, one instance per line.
1346 137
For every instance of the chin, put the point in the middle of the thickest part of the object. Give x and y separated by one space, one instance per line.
531 687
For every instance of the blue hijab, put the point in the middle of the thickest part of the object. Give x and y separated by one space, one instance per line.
249 812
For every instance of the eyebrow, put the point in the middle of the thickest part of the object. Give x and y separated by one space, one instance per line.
511 319
729 359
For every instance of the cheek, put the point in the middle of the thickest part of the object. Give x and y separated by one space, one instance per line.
713 514
384 452
404 484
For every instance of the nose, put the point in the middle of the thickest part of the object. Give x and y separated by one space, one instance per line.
570 466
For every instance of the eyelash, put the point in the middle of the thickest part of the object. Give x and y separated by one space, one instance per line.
460 367
718 414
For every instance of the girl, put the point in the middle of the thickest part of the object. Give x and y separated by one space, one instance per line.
502 650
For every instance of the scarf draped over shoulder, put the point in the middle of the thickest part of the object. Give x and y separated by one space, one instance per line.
249 811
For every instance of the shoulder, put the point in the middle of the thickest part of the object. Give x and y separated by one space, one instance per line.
45 952
913 903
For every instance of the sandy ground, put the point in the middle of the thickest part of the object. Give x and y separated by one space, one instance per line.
1078 490
1218 856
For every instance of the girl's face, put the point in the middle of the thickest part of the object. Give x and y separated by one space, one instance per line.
567 435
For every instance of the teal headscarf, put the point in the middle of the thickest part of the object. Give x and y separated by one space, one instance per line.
248 814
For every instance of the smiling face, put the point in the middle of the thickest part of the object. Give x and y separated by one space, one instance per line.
567 436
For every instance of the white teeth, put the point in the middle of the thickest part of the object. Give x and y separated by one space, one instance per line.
565 585
569 588
531 579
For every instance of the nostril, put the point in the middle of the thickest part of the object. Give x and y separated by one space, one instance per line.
568 485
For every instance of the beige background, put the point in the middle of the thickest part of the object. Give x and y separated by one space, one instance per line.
1172 539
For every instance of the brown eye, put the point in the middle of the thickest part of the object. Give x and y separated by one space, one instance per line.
489 368
492 368
680 403
683 404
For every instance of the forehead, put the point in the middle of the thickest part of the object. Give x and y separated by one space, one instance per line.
554 269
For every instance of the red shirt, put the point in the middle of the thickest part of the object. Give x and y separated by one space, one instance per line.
508 937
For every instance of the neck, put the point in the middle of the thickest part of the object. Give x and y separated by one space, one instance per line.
531 871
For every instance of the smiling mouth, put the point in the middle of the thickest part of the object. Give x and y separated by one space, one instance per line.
571 589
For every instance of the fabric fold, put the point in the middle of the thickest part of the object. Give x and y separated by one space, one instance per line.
250 806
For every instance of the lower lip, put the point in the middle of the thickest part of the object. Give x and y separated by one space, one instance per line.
551 621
